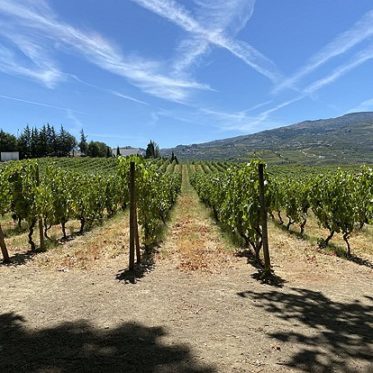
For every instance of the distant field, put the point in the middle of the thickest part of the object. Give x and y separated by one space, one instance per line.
109 165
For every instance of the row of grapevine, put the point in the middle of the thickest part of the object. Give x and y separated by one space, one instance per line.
84 164
59 195
212 166
290 197
233 196
341 201
156 193
171 167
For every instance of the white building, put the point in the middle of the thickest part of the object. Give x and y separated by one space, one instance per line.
126 152
9 156
76 153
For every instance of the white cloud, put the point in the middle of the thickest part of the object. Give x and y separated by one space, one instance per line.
261 119
362 30
366 105
219 16
188 52
265 114
109 91
359 59
37 103
28 60
180 16
39 22
225 116
255 107
129 98
71 115
77 124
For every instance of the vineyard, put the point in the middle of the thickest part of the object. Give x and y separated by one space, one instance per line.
55 192
65 234
341 201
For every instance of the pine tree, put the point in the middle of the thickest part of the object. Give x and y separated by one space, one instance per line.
83 146
8 142
51 140
65 143
34 142
42 142
152 150
24 143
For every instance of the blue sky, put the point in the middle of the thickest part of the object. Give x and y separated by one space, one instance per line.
182 72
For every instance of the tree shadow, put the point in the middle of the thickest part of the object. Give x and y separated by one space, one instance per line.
15 231
340 252
291 230
268 279
51 242
80 347
331 249
360 261
251 259
19 259
340 335
146 265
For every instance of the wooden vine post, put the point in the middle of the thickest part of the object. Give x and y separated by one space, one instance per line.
137 239
40 220
263 218
4 250
134 232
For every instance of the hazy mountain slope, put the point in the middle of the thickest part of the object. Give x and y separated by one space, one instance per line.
346 139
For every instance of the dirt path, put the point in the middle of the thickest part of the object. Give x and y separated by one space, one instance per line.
199 310
194 242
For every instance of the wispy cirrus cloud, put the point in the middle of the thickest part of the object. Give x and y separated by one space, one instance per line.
71 114
109 91
37 20
38 103
76 124
28 60
209 116
359 32
366 105
226 117
188 52
356 61
203 37
249 122
129 98
219 16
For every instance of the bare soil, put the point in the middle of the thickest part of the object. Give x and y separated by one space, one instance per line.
198 310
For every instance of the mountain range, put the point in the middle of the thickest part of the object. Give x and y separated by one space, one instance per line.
346 139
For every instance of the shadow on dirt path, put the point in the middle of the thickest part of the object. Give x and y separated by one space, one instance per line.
80 347
338 331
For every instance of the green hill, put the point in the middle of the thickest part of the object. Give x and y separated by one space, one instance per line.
346 139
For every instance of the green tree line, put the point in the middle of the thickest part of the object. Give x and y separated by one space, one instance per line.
47 141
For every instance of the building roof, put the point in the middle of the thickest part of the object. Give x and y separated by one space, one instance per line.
125 152
76 153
